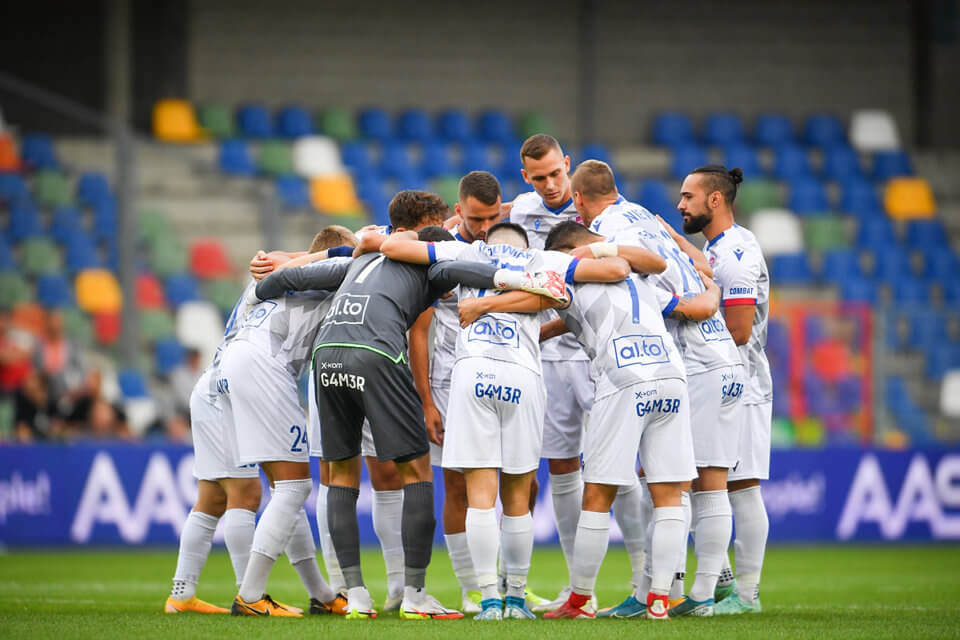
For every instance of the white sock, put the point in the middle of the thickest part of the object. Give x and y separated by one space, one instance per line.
459 550
752 525
334 575
714 523
676 588
517 540
272 534
644 585
196 539
665 546
238 527
628 510
387 514
566 489
590 546
484 541
302 552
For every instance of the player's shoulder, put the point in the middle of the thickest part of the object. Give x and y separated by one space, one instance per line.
736 242
526 204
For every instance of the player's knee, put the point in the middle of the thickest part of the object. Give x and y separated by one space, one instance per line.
564 465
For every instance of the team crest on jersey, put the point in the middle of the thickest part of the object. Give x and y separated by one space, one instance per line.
495 331
259 313
640 349
738 252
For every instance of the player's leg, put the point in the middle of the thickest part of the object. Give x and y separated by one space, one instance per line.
387 515
195 541
302 553
516 539
631 515
680 571
240 520
483 534
334 574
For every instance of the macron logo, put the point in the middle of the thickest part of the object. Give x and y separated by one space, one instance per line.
738 252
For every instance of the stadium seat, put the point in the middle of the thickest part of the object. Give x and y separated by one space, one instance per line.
14 290
216 120
336 123
789 269
80 253
672 129
874 130
92 188
411 180
791 162
199 326
653 195
435 159
533 122
509 165
105 220
908 198
453 125
723 129
64 223
13 189
374 124
823 130
53 291
180 288
512 188
7 261
891 164
334 194
890 263
686 158
234 158
292 192
175 121
316 157
745 157
940 263
223 293
777 231
858 290
394 160
448 189
9 158
78 327
132 384
97 291
356 157
253 121
52 189
475 156
106 327
841 163
840 264
208 259
157 324
926 234
940 359
595 151
950 394
758 194
823 233
858 197
37 152
413 125
926 329
293 121
276 158
149 292
875 233
493 126
40 256
772 130
24 222
168 354
807 197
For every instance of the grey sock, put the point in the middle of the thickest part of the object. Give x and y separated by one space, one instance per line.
417 527
344 531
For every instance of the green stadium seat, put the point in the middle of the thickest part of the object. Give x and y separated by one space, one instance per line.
276 158
79 327
531 123
823 233
217 120
758 194
8 413
14 290
156 324
337 123
168 256
153 224
223 293
40 257
448 189
52 189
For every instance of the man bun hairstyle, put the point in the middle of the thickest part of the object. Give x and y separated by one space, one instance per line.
537 146
569 235
593 179
410 209
717 177
481 185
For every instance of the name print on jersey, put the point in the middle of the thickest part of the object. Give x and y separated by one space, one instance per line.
503 393
639 349
348 309
348 380
714 330
495 331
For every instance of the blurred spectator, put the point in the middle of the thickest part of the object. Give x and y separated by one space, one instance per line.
174 428
36 415
59 359
15 349
183 377
106 421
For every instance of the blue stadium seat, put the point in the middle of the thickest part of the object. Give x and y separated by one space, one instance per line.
7 262
235 158
745 157
453 125
876 233
907 290
374 124
595 151
509 164
132 384
824 129
371 188
951 290
897 396
292 192
890 263
64 223
927 234
37 152
890 164
378 207
513 187
293 121
414 125
841 163
926 329
92 187
81 253
652 194
839 265
411 180
772 129
24 222
54 292
105 220
941 358
858 290
807 197
859 197
672 129
918 428
791 162
476 157
941 264
394 160
168 355
356 157
494 125
13 188
435 159
686 158
791 269
181 288
253 121
722 129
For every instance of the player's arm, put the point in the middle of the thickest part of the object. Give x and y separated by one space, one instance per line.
263 263
699 260
739 319
470 309
444 276
403 246
700 307
739 300
319 275
639 259
552 329
420 368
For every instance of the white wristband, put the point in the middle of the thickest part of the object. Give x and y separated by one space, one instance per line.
603 249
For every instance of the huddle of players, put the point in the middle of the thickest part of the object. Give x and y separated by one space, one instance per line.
648 355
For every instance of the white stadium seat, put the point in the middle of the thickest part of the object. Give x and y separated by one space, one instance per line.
316 156
777 231
950 394
874 130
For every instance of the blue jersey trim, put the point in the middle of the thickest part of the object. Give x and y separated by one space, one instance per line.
344 251
620 200
667 310
431 253
460 237
559 209
634 300
715 238
571 269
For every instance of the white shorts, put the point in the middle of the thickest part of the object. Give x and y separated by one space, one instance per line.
496 417
316 444
569 398
261 402
652 418
754 462
441 398
212 452
715 415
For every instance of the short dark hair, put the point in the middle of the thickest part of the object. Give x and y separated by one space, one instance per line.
568 235
538 145
509 226
481 185
409 209
717 177
434 233
332 236
593 178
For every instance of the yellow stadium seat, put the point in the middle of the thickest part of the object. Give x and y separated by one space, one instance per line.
175 121
909 198
97 291
334 194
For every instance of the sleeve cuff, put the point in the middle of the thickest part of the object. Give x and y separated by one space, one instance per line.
733 302
432 253
340 252
571 269
667 310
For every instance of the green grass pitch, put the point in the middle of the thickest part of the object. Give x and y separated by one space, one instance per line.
809 592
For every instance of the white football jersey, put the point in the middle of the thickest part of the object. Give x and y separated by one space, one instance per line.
511 337
621 329
741 272
446 330
537 219
229 333
705 345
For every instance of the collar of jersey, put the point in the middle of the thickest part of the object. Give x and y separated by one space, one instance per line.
717 237
566 205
